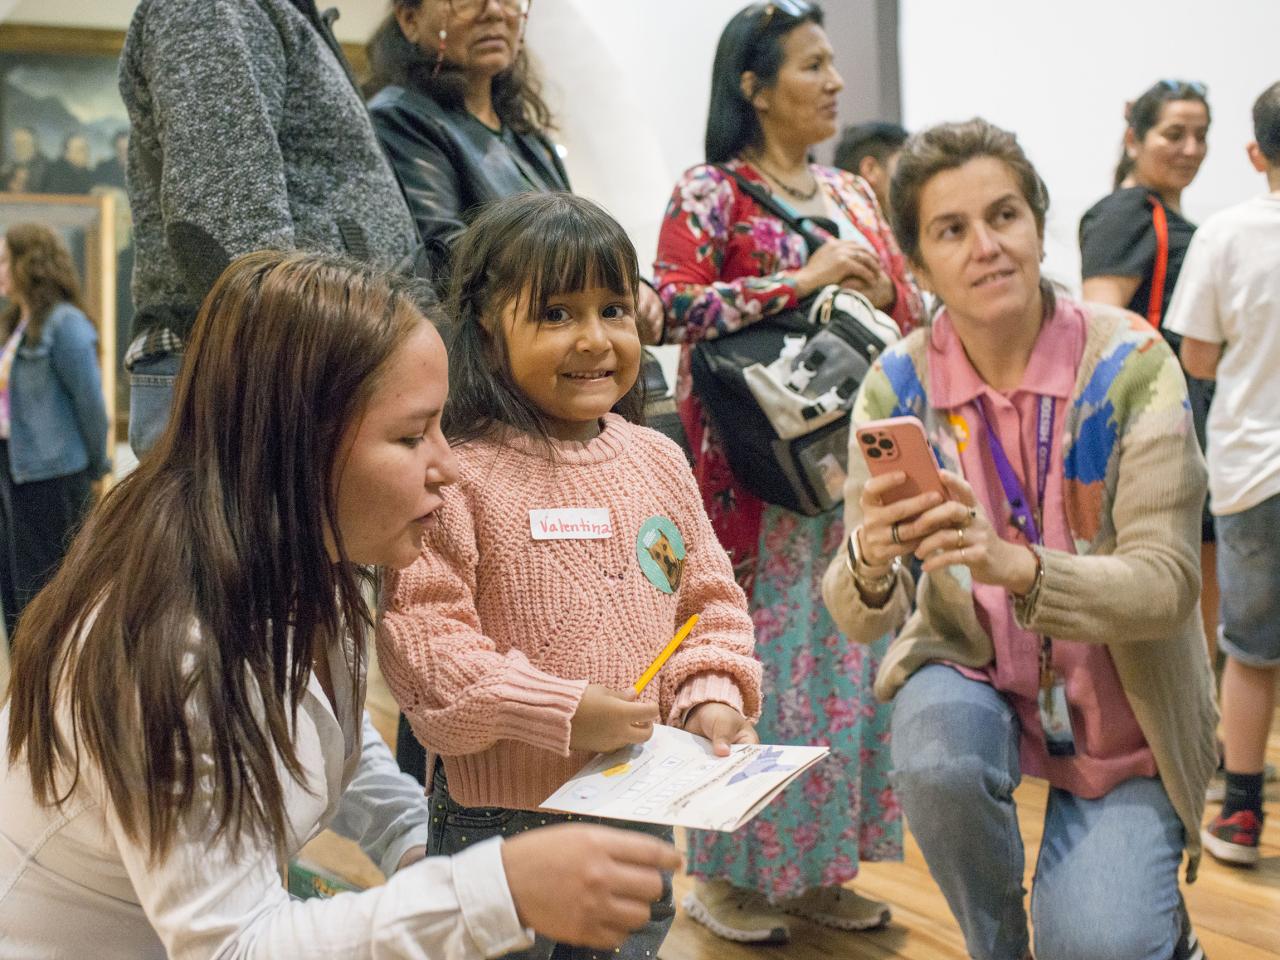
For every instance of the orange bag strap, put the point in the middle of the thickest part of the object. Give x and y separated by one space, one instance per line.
1160 221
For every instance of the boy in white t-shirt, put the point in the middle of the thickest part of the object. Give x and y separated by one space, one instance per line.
1227 308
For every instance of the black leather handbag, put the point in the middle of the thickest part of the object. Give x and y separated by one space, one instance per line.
779 391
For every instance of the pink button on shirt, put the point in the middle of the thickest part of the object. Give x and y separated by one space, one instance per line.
1110 747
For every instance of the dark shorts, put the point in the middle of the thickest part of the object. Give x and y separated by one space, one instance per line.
1249 583
455 827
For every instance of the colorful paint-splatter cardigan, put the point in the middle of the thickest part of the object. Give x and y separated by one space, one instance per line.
1135 483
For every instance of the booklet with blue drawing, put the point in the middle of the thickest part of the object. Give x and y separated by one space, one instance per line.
675 778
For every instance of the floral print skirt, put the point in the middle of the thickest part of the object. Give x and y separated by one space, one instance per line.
817 690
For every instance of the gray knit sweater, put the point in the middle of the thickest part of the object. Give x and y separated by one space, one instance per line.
247 133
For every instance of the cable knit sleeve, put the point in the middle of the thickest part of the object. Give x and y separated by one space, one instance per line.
717 661
460 694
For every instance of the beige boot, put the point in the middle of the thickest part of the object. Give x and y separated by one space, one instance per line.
838 907
736 914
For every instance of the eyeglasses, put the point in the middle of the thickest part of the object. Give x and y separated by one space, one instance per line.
470 9
1194 87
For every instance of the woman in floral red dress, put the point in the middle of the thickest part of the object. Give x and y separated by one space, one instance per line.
724 263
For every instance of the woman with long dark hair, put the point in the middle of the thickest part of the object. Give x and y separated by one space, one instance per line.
53 420
1133 242
458 111
725 262
187 693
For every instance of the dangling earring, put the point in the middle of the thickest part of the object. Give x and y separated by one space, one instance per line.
444 33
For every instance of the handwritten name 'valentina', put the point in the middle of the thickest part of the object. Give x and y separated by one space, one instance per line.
563 527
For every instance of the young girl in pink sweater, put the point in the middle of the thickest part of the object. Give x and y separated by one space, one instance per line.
572 547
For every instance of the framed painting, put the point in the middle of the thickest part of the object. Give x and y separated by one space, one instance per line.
64 131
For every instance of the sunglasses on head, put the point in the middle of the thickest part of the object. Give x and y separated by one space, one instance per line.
1178 86
795 9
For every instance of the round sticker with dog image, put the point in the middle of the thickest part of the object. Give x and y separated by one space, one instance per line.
660 550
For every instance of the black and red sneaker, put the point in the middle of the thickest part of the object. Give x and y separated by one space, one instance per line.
1234 839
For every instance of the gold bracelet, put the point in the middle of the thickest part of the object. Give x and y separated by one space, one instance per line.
1025 605
875 586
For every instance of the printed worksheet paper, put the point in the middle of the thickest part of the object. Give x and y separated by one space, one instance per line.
674 778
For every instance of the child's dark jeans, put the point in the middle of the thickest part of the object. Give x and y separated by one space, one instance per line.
455 827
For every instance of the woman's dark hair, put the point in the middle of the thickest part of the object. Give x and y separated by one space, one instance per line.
42 275
947 147
1144 113
394 61
172 649
753 41
521 252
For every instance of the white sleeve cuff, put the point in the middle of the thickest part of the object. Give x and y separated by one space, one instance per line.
480 882
417 837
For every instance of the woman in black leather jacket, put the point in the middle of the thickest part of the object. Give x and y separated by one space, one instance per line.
458 112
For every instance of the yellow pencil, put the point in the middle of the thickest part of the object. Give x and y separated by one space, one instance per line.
661 658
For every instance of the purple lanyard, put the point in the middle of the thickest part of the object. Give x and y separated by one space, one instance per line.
1021 512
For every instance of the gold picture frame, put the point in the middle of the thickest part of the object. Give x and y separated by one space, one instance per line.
38 38
58 83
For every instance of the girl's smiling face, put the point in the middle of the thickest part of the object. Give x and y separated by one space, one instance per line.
576 359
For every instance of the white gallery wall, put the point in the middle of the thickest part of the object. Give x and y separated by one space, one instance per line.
629 81
1059 75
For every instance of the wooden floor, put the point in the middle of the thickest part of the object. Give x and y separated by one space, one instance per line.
1236 912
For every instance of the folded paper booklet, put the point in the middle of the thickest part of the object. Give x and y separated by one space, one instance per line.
675 778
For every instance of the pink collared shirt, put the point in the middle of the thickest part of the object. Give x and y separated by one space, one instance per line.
1110 747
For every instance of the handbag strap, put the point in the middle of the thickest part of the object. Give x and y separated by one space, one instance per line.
764 199
1159 221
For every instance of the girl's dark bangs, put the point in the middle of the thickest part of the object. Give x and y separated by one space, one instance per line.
572 253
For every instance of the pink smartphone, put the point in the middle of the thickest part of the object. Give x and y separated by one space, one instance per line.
899 443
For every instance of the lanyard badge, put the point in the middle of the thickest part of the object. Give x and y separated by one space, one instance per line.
1055 719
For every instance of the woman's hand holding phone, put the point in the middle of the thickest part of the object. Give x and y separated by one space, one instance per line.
990 558
909 506
942 533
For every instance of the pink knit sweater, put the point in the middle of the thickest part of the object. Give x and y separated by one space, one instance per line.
490 637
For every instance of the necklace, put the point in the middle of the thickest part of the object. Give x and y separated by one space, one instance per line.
790 191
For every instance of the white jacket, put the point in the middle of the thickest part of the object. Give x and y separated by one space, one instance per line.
73 885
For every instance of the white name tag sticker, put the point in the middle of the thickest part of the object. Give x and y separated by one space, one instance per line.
571 523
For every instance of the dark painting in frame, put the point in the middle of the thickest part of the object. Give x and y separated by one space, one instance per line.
63 130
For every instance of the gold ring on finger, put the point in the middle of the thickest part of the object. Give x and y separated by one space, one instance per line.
893 531
960 538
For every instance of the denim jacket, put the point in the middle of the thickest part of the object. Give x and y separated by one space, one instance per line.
59 419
